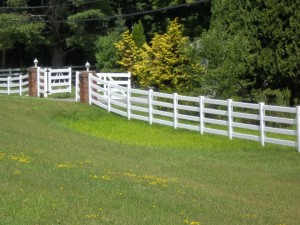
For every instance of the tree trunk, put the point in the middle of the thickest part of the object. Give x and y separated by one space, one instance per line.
56 28
57 56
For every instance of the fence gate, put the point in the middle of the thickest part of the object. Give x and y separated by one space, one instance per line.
54 81
117 79
120 79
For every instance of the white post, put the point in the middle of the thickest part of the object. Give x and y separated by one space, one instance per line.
201 114
128 102
129 79
108 97
48 88
76 86
38 73
175 111
262 123
70 80
46 82
90 88
150 107
8 85
230 109
20 84
298 127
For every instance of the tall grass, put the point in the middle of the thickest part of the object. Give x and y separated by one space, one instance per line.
67 163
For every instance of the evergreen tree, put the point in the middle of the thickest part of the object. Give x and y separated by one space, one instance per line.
253 46
106 55
15 28
127 50
165 65
138 34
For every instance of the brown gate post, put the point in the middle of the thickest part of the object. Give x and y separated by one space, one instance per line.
84 85
32 80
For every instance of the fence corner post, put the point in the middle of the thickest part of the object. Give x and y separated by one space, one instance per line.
298 127
33 81
84 87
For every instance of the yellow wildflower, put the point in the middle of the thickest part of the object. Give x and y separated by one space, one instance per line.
105 177
194 223
20 158
2 155
92 216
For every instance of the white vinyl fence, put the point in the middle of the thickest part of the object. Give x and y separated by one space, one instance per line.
12 82
257 122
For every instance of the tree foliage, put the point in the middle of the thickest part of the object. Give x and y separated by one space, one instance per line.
14 29
251 46
164 64
106 55
128 51
138 35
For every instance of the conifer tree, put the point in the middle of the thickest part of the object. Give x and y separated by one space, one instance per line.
138 35
127 50
106 55
164 64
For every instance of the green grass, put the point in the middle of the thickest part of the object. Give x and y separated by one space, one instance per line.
67 163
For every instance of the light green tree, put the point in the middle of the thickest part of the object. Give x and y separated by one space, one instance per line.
138 35
106 55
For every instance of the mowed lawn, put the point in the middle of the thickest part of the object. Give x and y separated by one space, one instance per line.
69 163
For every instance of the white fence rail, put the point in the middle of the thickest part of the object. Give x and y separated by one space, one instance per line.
13 84
257 122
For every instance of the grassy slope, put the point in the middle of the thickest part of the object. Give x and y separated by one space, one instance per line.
89 167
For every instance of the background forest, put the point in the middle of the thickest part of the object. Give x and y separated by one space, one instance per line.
247 50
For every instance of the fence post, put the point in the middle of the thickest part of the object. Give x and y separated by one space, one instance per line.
262 123
47 82
38 80
230 109
150 107
77 97
129 79
175 111
33 81
84 87
20 84
8 85
128 102
298 127
90 88
108 96
201 114
48 87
